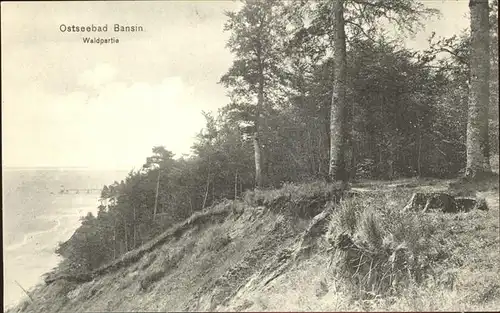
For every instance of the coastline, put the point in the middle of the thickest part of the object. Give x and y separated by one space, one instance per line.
28 260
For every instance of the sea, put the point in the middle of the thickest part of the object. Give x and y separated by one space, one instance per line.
36 217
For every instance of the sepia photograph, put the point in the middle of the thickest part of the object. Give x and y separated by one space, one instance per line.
250 155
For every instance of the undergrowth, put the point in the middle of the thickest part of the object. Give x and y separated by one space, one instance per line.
382 258
214 240
303 200
160 267
379 249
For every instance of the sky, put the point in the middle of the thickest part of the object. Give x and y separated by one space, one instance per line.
70 104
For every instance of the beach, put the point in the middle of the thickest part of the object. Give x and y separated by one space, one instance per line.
27 260
36 218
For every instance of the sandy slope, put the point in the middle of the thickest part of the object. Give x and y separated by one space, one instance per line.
246 261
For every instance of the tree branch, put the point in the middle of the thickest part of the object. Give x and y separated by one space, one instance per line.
459 57
361 29
377 5
381 5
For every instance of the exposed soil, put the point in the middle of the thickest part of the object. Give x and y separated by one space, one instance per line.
273 257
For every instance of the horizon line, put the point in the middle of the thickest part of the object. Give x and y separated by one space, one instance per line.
7 167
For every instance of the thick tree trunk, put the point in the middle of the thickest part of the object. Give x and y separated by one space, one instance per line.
324 143
419 153
258 160
353 164
477 124
338 111
257 141
353 141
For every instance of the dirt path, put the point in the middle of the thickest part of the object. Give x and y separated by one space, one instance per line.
409 184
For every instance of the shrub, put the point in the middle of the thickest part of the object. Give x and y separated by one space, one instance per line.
303 200
216 240
378 248
345 218
150 258
151 278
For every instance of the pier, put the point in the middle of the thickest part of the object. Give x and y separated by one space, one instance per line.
80 190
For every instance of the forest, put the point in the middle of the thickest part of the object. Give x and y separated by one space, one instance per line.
319 91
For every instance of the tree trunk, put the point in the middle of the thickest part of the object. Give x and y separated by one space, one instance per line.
26 292
311 159
236 185
258 141
419 153
126 236
320 153
114 241
207 185
135 236
258 160
325 144
338 111
390 169
477 123
156 196
353 142
213 193
353 164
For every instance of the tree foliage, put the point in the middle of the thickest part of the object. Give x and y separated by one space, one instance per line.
407 116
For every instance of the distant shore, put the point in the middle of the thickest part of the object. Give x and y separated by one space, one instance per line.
35 255
63 168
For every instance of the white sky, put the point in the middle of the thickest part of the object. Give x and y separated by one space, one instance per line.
67 104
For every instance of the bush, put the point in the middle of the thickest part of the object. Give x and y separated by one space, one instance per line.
151 278
216 239
378 248
162 267
150 258
303 200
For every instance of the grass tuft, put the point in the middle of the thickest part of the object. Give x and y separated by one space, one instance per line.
379 249
214 240
303 200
